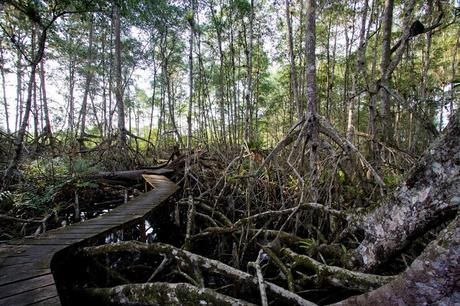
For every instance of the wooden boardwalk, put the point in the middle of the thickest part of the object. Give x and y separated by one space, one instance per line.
25 265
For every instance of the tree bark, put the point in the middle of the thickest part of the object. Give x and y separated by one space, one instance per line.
47 129
118 79
89 76
310 62
385 61
248 130
5 100
294 88
429 195
431 279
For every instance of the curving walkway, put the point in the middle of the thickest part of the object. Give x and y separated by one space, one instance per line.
25 265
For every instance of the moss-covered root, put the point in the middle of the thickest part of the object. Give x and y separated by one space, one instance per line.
337 276
203 263
162 294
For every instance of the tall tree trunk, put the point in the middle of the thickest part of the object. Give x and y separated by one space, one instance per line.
310 62
454 66
427 52
385 61
328 67
111 72
190 104
89 76
118 79
152 106
19 101
71 101
248 130
18 144
104 85
34 91
294 88
47 129
218 26
5 100
372 88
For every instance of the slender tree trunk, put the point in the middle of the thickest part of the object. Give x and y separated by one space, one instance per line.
34 90
47 129
171 104
111 69
18 145
89 76
351 100
248 131
427 52
294 87
331 79
104 85
328 67
218 26
190 105
372 118
19 101
118 79
152 106
385 61
310 62
71 96
454 66
5 100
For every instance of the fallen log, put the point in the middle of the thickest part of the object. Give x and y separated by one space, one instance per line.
129 175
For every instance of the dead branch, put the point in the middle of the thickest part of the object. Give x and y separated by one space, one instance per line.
260 279
327 129
287 238
304 206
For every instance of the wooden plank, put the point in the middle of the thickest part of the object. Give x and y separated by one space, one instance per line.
54 301
26 285
14 274
51 241
25 275
32 296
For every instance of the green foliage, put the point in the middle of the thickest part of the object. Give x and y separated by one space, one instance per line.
390 180
47 179
341 177
243 7
255 144
82 167
308 244
6 201
38 199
